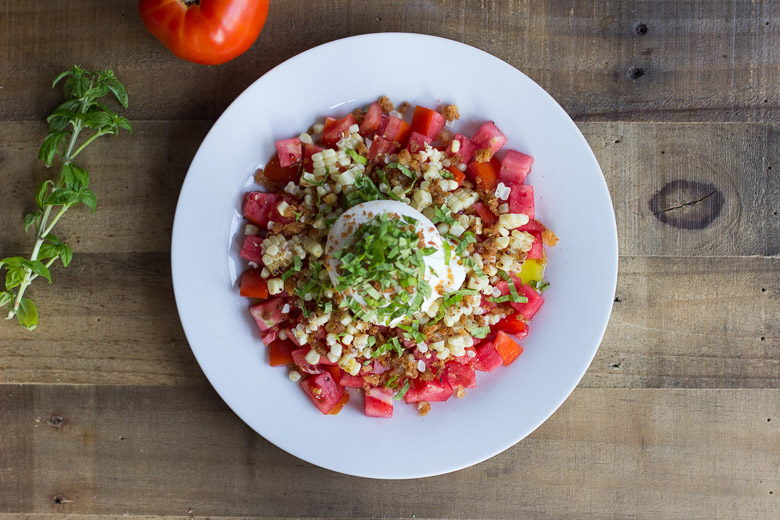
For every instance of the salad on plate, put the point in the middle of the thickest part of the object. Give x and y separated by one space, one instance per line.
389 254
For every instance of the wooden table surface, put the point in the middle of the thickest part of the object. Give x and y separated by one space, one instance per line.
104 412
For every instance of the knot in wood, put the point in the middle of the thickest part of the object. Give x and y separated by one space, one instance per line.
640 29
635 72
56 420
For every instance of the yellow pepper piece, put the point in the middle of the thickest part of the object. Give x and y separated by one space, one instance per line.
532 271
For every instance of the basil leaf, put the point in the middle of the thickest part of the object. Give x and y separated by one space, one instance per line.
27 314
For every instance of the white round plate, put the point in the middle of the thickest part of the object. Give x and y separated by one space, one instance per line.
571 199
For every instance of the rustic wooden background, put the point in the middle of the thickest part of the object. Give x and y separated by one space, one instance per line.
104 412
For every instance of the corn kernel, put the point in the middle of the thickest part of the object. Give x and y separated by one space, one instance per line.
421 199
312 357
502 242
512 220
305 138
275 285
294 376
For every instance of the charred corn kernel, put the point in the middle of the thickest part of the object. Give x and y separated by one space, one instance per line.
273 250
313 247
348 364
437 346
502 242
312 357
478 284
421 199
265 273
503 208
294 376
275 285
464 220
318 128
360 341
443 353
512 220
251 229
305 138
455 146
268 259
431 173
325 154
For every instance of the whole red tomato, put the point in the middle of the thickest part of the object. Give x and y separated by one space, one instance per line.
208 32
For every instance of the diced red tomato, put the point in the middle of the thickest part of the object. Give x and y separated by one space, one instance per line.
427 122
488 217
274 171
289 151
460 375
379 402
333 133
328 122
488 358
380 146
457 175
379 368
521 200
537 249
268 313
397 131
291 337
485 173
299 358
371 120
417 142
323 391
253 285
489 136
340 405
252 251
431 391
532 306
280 352
507 348
275 216
513 324
533 225
349 381
257 205
466 150
515 167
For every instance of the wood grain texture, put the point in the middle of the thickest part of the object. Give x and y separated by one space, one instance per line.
610 453
679 322
699 60
137 179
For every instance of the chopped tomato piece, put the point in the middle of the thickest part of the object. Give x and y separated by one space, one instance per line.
507 348
427 122
379 402
533 225
460 375
521 200
252 250
513 324
323 391
515 167
488 358
457 175
485 173
431 391
489 136
380 146
311 149
289 151
280 352
333 133
268 313
371 120
417 142
328 122
253 285
343 401
488 217
267 336
532 306
299 358
335 371
275 172
397 131
257 206
349 381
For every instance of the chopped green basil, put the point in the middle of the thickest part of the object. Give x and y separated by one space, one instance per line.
356 157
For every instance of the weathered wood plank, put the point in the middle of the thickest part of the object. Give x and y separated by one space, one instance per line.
714 60
650 168
652 454
690 322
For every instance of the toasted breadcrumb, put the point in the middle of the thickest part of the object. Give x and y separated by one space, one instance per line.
450 112
423 407
460 392
269 185
549 238
483 155
403 107
385 104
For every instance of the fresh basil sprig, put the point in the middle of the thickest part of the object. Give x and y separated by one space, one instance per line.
84 116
